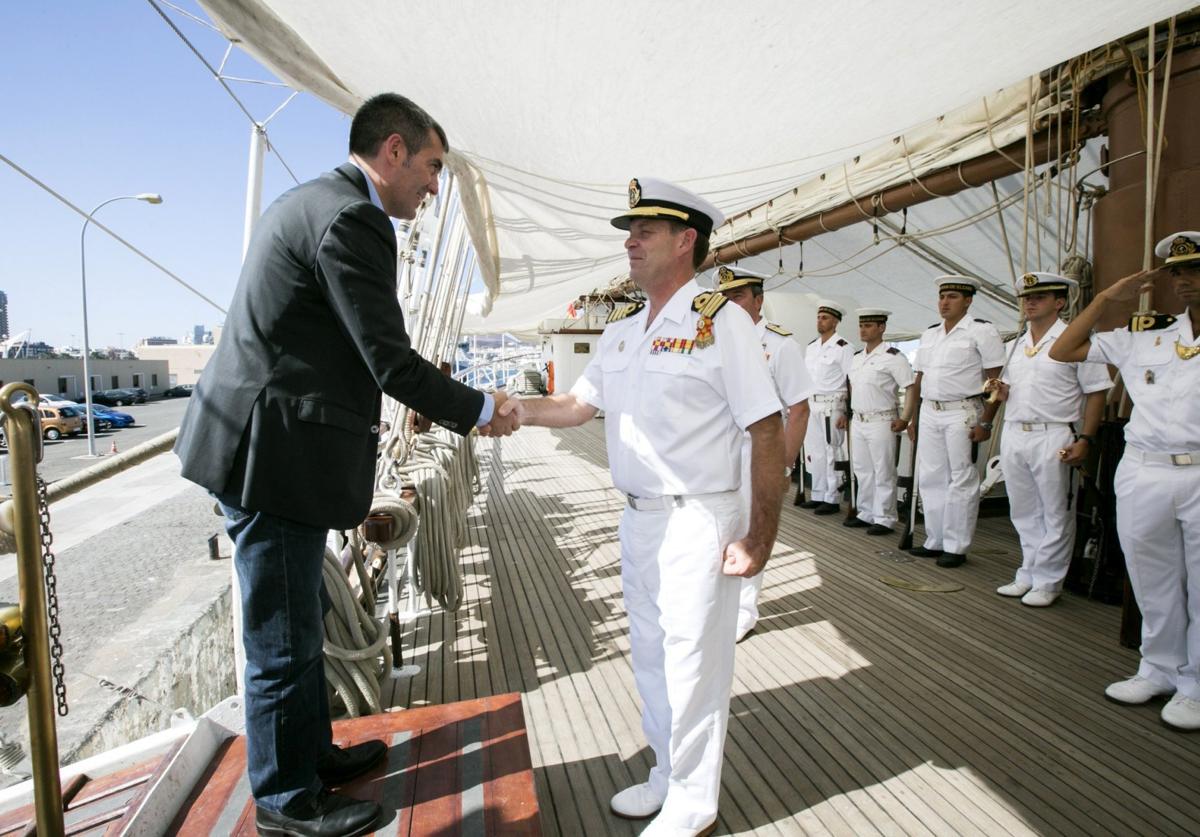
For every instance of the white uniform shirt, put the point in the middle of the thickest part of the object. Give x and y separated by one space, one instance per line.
1165 389
828 364
952 363
877 378
1044 390
785 362
674 420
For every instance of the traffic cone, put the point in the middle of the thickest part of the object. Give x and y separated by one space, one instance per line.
113 447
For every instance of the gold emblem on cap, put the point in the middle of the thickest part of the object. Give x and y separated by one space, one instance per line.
1183 246
724 275
635 193
1029 279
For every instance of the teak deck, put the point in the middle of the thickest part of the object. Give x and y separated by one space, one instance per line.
858 708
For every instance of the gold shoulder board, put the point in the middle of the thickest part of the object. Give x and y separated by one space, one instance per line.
623 311
780 330
708 303
1149 321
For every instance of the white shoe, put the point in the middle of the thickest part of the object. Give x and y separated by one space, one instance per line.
1136 690
1039 598
636 803
744 632
657 828
1014 590
1182 713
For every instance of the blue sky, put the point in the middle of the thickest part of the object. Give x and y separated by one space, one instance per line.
101 99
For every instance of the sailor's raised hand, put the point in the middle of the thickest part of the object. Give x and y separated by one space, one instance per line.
1132 285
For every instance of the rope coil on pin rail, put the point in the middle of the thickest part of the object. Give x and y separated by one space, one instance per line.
354 640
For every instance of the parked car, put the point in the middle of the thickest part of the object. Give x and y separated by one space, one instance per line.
60 421
115 418
115 397
140 394
179 390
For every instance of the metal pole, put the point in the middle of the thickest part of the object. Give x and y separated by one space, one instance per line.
43 736
254 178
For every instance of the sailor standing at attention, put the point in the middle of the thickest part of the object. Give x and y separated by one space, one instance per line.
1158 479
878 374
1050 421
828 359
953 359
785 362
680 378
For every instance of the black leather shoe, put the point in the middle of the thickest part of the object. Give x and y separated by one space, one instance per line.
809 504
341 764
854 523
879 529
922 552
328 815
951 559
827 508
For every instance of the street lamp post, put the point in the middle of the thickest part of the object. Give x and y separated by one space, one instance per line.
148 197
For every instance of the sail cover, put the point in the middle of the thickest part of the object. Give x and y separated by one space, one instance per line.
551 107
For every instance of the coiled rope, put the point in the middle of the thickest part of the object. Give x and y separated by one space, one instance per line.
355 641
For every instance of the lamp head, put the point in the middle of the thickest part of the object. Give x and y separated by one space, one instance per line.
149 197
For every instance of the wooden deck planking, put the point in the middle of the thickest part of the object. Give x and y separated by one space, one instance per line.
858 708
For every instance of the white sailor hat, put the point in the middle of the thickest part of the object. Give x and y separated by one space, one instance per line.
729 278
1039 283
872 315
1179 247
650 197
834 309
957 282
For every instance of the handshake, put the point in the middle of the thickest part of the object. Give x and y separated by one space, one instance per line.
506 418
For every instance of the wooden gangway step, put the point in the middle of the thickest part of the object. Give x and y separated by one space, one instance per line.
458 768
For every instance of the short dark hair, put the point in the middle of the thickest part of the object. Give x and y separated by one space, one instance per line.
699 249
387 114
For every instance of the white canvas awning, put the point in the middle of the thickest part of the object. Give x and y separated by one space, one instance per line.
552 107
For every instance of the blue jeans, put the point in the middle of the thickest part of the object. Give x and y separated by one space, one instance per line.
287 704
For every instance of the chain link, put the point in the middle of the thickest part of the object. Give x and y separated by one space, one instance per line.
56 649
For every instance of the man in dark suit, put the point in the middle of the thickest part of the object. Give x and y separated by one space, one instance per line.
283 429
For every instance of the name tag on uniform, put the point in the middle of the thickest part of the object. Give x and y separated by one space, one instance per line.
676 345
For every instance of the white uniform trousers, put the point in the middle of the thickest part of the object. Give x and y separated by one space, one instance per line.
873 449
947 479
682 614
820 453
1037 483
1158 522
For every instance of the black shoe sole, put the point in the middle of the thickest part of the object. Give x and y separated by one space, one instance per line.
281 831
949 560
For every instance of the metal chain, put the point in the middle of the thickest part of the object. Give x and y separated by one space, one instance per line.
56 649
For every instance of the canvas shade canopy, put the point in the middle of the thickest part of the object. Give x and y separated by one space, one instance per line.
551 107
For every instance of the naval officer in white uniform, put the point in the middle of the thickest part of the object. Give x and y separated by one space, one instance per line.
1052 413
1158 480
954 358
785 362
878 375
681 378
828 359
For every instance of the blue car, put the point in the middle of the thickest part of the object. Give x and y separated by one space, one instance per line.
113 417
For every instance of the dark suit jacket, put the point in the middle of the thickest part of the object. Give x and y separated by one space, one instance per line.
286 414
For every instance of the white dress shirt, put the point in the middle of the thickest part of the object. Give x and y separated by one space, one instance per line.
1044 390
952 363
674 419
828 364
1164 387
877 377
785 362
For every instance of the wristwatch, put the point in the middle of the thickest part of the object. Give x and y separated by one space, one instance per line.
787 470
1091 440
986 425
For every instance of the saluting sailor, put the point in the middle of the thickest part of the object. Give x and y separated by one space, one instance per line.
1158 479
1050 421
785 362
680 378
953 359
828 359
878 374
